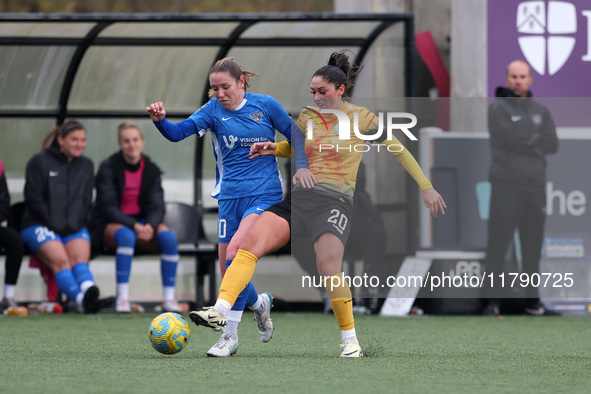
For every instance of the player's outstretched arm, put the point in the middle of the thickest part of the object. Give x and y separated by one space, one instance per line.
174 132
433 201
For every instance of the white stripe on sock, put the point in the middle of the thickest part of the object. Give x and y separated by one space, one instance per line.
126 250
171 258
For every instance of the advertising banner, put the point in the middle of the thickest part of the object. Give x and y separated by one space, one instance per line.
554 37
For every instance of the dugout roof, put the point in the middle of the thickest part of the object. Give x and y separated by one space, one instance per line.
101 68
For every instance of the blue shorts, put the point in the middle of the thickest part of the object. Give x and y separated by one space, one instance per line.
231 212
35 236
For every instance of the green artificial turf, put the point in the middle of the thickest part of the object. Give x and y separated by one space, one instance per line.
109 353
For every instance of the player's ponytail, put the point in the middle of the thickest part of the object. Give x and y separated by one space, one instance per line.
63 130
229 65
339 71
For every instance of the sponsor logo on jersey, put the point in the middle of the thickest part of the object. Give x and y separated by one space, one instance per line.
230 141
257 116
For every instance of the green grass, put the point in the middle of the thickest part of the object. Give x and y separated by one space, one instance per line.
109 353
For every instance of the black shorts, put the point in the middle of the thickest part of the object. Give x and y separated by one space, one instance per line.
282 209
316 212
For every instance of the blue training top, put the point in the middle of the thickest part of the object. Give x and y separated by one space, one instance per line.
232 134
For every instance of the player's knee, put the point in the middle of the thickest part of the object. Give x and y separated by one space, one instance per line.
232 250
167 241
124 236
57 265
328 264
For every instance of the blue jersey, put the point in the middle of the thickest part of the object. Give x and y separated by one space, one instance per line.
232 134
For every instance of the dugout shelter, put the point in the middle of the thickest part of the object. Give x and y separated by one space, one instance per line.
103 68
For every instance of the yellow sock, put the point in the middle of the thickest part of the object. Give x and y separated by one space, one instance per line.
237 276
341 301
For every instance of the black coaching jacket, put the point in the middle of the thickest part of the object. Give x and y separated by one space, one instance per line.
522 133
58 193
110 183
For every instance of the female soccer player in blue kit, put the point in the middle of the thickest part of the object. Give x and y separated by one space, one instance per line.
244 188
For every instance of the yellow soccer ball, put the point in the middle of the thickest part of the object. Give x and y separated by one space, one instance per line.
169 333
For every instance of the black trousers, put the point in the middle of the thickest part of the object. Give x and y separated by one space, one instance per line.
512 208
12 243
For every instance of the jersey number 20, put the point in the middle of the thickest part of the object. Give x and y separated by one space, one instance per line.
338 219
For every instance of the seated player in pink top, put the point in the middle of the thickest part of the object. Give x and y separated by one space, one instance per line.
130 208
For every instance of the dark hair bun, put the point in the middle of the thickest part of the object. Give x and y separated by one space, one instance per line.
340 60
339 71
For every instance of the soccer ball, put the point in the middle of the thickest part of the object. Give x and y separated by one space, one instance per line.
169 333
